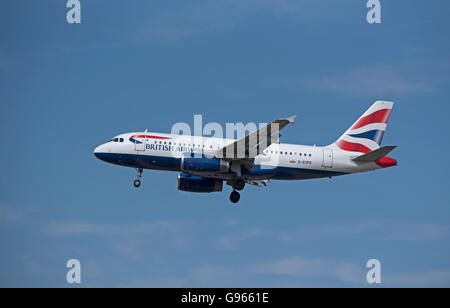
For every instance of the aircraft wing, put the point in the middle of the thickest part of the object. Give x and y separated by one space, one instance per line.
255 143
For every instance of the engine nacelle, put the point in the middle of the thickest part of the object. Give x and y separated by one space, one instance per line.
194 183
203 163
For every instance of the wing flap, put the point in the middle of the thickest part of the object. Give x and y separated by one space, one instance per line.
255 143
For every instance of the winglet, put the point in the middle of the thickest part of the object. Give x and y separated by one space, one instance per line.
291 119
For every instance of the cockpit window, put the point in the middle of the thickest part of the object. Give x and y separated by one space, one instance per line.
121 140
115 140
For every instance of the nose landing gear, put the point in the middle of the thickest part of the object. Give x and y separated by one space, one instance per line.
137 182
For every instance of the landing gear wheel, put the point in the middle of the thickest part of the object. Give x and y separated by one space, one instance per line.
239 184
235 196
137 183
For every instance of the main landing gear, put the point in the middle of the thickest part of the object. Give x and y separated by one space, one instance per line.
237 184
235 196
137 182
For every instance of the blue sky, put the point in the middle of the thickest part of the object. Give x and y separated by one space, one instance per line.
149 64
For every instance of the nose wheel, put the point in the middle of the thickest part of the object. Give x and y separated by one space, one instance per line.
235 196
137 182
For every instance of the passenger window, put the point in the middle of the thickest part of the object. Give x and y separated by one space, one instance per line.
290 153
309 155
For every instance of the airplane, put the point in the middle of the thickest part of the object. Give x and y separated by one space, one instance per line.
205 163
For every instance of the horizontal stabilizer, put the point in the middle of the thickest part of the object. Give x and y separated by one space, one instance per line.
374 155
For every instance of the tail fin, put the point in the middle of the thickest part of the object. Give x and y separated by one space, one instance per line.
366 134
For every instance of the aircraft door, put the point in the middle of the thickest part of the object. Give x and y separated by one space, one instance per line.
327 158
139 145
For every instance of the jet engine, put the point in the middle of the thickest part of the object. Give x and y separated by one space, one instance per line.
194 183
189 162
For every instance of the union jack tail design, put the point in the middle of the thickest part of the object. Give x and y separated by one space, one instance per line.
366 133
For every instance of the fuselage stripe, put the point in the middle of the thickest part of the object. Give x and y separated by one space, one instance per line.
352 147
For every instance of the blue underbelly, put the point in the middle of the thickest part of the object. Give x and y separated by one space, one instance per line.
173 164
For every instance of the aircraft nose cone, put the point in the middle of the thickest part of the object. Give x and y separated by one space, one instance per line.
99 151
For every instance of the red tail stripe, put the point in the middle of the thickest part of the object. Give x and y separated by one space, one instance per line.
352 147
380 116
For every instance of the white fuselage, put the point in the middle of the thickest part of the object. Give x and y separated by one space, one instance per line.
281 161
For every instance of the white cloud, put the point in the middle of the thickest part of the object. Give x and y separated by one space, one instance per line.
308 269
350 272
206 274
313 267
423 279
210 16
312 233
374 80
419 232
75 228
388 231
295 266
14 214
129 239
230 241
